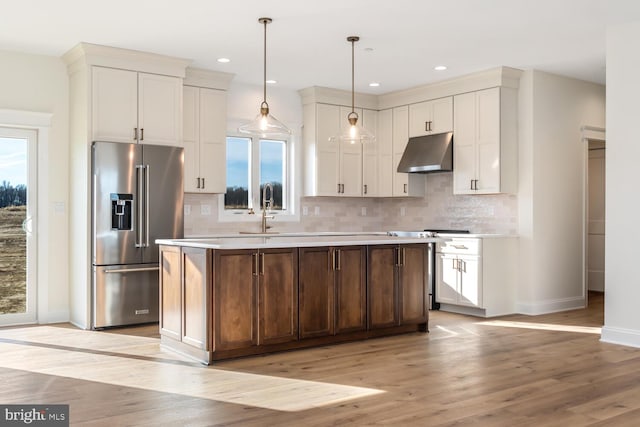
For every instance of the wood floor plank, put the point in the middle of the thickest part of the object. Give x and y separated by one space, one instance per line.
512 371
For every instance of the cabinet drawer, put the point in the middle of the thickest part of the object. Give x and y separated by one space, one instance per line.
468 246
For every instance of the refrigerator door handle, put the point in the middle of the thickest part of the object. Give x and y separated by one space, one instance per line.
146 206
131 270
139 206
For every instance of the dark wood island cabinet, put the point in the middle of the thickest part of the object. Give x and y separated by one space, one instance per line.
219 303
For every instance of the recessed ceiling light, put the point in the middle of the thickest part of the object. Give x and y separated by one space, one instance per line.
440 67
374 84
224 60
272 82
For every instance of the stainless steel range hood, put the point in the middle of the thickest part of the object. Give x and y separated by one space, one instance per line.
427 154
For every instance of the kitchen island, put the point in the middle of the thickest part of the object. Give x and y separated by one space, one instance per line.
251 294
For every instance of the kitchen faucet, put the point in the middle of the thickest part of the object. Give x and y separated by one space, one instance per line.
266 204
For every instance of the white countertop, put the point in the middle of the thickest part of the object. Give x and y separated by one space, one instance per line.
293 240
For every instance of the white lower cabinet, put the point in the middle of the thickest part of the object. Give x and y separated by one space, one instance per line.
477 276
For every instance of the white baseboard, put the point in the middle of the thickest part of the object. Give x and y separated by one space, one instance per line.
550 306
53 317
462 309
622 336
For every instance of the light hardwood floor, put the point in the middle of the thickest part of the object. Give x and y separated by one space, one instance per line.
512 371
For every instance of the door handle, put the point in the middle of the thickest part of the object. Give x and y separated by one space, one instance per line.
261 263
131 270
27 225
139 207
254 264
338 259
146 205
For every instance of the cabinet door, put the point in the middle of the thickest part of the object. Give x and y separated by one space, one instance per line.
191 138
382 285
384 141
351 291
327 154
235 299
350 171
470 287
170 292
196 272
446 279
464 147
370 170
278 296
213 143
160 109
114 105
442 115
413 284
316 292
420 116
400 139
488 140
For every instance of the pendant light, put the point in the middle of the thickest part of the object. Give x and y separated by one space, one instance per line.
355 133
265 125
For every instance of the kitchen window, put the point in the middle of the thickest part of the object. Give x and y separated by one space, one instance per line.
252 163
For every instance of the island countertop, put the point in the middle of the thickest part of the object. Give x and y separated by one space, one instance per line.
258 241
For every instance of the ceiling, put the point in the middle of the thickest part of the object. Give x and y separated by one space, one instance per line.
400 41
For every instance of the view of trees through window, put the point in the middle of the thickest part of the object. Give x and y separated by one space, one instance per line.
247 171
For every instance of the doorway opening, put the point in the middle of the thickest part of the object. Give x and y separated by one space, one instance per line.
18 156
595 196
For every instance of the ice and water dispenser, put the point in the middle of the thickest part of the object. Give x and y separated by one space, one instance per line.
121 211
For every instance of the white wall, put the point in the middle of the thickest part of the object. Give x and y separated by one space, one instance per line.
551 195
38 83
622 282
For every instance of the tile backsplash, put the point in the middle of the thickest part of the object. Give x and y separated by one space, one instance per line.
497 213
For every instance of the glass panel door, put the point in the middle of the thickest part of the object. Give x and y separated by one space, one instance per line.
17 225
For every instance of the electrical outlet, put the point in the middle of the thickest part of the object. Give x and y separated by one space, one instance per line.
403 211
187 210
305 210
316 210
363 211
205 209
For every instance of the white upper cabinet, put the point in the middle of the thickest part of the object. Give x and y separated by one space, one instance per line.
337 168
404 184
204 139
435 116
384 146
130 106
485 144
370 163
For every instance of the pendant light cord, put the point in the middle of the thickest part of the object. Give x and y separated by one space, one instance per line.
353 103
264 80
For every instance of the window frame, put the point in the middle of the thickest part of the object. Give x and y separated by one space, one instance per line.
289 211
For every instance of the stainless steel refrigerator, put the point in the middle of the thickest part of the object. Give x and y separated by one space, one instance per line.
137 197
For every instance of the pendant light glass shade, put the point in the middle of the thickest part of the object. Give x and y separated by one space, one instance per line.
265 124
354 133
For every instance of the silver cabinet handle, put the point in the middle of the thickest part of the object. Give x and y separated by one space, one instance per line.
254 262
365 189
198 183
464 266
338 188
141 134
261 263
460 246
338 259
405 188
135 134
426 126
202 182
